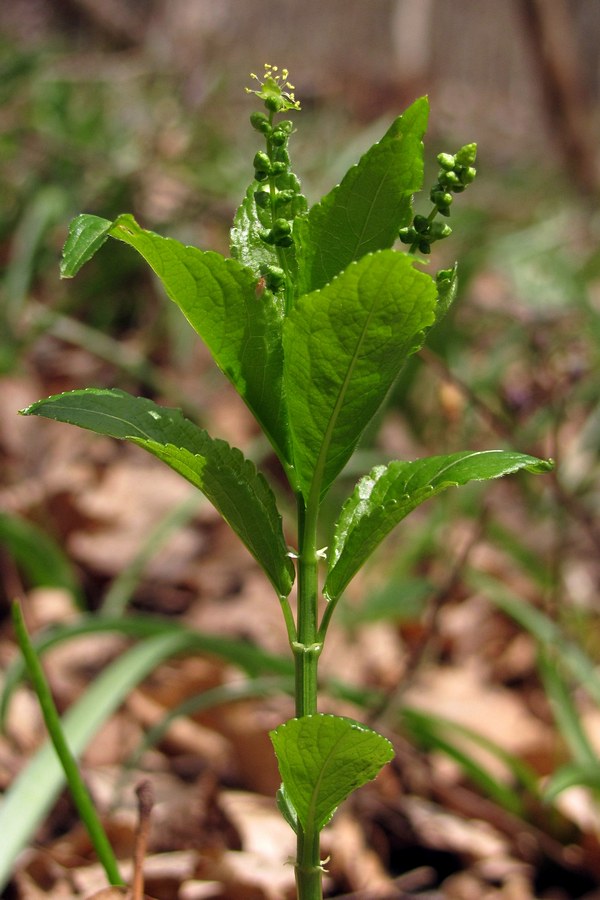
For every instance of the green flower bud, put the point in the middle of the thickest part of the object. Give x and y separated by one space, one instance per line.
441 199
261 162
281 228
279 167
449 180
260 122
274 103
274 277
467 175
446 161
424 246
407 235
467 155
262 198
267 237
285 196
279 138
421 224
261 176
286 126
438 231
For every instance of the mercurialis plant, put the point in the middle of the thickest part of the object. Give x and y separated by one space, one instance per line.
311 319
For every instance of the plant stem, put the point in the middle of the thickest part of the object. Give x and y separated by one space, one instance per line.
307 650
309 872
79 792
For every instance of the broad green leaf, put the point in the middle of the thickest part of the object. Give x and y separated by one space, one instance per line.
86 235
219 299
344 346
322 759
222 473
389 493
365 211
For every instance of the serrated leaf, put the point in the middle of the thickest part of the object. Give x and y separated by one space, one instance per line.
86 235
229 480
389 493
344 346
218 297
322 759
250 221
246 245
365 211
447 289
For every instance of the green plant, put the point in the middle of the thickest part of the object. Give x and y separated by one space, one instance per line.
311 320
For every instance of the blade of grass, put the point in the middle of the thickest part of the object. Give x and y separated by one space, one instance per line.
565 712
428 730
33 792
246 656
543 629
79 792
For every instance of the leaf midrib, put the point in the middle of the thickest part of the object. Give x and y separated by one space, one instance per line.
315 490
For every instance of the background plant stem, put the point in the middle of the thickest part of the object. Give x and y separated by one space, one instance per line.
79 792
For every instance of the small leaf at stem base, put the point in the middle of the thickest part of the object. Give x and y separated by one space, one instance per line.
322 759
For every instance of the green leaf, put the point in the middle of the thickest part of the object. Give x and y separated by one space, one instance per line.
570 775
365 211
246 245
250 221
218 298
222 473
322 759
86 235
286 808
389 493
344 346
447 288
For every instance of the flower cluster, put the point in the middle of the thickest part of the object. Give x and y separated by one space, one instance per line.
277 196
275 89
456 172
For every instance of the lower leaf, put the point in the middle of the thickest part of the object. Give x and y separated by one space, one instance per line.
322 759
229 480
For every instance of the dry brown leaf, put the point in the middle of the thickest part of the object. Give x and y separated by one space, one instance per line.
360 866
133 496
460 694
